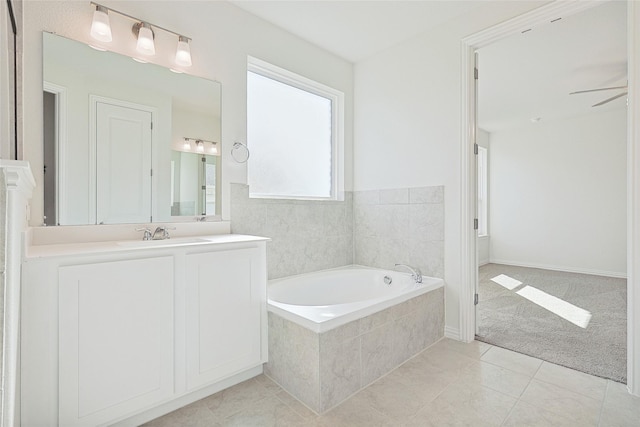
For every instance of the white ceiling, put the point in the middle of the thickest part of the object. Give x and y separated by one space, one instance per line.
530 75
356 29
522 77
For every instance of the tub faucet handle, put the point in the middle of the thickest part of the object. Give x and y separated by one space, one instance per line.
416 274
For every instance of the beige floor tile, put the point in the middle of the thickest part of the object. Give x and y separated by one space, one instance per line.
355 412
474 349
526 415
620 409
419 372
194 415
588 385
584 410
296 405
267 412
444 359
268 383
517 362
496 378
235 399
395 399
464 405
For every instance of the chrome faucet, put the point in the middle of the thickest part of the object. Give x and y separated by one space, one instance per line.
162 233
147 233
416 274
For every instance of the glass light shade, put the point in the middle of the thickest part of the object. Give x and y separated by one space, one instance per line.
214 148
145 43
183 52
100 26
200 146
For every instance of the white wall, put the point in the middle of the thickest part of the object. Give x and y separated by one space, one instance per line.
223 35
558 194
483 246
408 123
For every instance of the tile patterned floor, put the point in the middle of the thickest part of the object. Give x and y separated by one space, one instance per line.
449 384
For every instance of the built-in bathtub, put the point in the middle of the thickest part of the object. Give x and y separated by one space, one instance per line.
333 332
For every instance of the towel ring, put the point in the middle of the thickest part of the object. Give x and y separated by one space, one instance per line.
240 152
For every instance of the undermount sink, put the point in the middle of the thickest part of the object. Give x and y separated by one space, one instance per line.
165 242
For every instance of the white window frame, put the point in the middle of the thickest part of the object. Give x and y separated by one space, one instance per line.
336 97
483 191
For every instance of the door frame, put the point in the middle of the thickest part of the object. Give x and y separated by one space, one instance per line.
60 149
469 267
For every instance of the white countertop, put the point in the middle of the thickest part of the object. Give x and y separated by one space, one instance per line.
66 249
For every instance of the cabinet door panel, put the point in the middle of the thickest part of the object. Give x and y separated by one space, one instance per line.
116 338
223 319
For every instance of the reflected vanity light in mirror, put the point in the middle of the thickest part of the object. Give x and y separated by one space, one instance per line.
198 145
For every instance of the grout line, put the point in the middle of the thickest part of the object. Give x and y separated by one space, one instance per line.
606 392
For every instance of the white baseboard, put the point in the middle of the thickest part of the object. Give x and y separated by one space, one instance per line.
561 268
452 333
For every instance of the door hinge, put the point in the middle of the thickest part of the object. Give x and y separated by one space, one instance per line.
475 299
475 223
475 149
151 125
151 172
475 73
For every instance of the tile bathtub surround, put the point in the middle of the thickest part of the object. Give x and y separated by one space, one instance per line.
322 370
400 226
377 228
306 235
449 383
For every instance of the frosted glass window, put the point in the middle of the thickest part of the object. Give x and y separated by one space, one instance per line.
291 134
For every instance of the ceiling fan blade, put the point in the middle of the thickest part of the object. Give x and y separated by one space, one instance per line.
609 99
598 90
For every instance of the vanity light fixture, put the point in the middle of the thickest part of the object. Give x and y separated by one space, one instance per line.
100 26
144 32
145 44
183 52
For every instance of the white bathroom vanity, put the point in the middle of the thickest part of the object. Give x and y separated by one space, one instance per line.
118 333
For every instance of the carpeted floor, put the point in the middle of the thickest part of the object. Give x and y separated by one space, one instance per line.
508 320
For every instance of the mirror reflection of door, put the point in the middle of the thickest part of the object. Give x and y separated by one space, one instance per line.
50 147
193 184
123 164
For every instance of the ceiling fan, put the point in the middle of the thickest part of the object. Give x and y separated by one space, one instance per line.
605 88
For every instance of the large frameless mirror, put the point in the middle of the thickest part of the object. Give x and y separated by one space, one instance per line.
126 142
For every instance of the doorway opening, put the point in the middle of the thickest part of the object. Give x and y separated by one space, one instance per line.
552 119
470 44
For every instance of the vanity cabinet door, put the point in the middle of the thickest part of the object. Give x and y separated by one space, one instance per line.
116 338
225 294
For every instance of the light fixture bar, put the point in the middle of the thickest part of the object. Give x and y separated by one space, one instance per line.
133 18
198 140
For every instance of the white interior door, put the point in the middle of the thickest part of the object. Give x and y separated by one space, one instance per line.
123 164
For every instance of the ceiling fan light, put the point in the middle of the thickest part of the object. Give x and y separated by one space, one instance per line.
100 26
145 43
183 52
